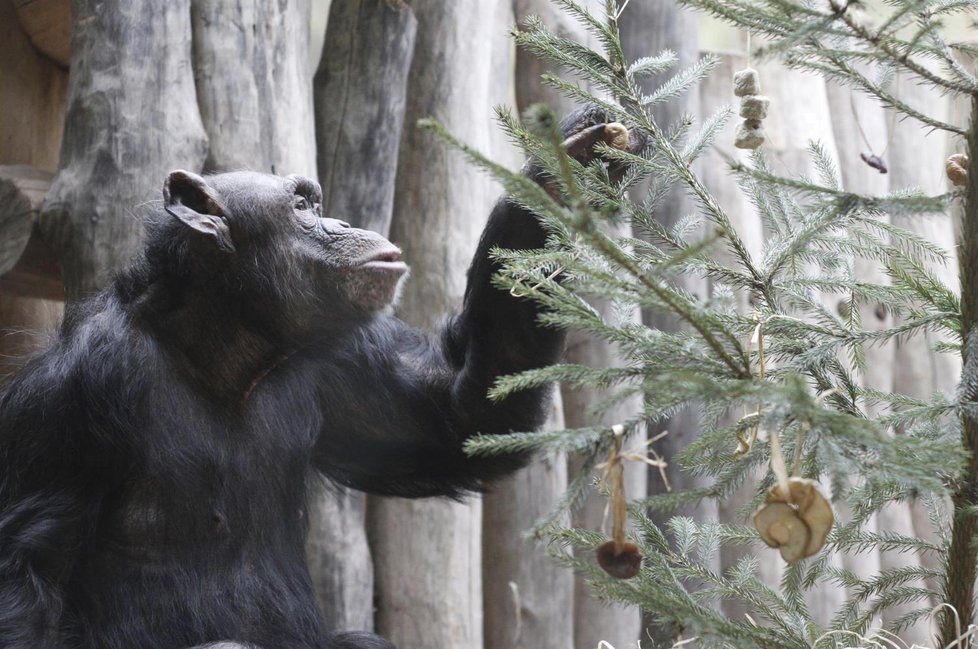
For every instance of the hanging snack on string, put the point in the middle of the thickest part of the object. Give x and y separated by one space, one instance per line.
956 168
753 108
874 161
796 522
747 83
618 557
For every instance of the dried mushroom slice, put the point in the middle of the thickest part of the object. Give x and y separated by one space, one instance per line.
781 527
810 506
819 518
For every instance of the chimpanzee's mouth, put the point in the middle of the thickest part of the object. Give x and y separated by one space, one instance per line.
385 259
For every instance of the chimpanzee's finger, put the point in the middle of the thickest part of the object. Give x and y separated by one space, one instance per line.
580 146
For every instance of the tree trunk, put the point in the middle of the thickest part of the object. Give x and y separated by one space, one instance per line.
527 596
646 30
252 71
799 115
854 114
427 553
715 93
132 117
360 94
916 159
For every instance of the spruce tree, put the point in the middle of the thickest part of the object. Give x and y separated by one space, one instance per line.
776 385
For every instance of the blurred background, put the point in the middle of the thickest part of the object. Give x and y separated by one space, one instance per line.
99 99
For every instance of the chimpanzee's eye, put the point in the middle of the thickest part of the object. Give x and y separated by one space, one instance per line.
300 203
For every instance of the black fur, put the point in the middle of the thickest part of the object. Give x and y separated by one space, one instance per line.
154 460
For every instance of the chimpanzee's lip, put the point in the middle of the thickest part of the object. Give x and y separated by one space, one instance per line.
385 259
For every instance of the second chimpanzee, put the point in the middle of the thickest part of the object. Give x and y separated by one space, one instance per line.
154 460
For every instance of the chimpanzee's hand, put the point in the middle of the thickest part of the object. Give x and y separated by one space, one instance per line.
590 125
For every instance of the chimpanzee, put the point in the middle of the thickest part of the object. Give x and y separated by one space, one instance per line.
154 460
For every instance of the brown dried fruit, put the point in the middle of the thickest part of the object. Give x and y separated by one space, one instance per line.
777 521
623 564
780 527
956 168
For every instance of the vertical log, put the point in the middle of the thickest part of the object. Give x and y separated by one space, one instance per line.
526 596
716 92
32 104
916 159
359 94
427 553
799 115
855 119
339 558
593 620
647 29
252 72
132 116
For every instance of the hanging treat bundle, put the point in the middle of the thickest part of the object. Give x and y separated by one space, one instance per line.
957 169
753 108
618 557
795 520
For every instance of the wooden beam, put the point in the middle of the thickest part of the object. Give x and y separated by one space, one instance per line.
37 274
21 190
48 25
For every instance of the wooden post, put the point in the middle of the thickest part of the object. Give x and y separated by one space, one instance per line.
527 596
855 114
916 159
359 97
427 554
119 141
360 94
251 65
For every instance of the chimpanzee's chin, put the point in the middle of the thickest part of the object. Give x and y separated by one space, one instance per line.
379 287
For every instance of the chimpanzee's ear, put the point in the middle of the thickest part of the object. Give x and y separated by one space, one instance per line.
188 198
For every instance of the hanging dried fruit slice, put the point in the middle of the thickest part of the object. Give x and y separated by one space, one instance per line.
807 504
780 527
621 563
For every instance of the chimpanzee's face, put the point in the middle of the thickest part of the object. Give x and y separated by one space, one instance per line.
274 235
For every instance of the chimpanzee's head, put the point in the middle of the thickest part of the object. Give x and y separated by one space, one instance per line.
263 240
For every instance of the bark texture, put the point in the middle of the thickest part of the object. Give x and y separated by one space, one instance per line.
647 29
526 596
360 95
252 76
132 116
428 553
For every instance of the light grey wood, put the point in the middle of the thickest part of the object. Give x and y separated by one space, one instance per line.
427 554
22 189
716 92
916 159
647 28
855 119
252 75
527 597
358 96
132 117
253 84
359 93
592 620
339 558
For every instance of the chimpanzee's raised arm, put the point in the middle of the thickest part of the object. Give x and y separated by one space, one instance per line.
399 404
